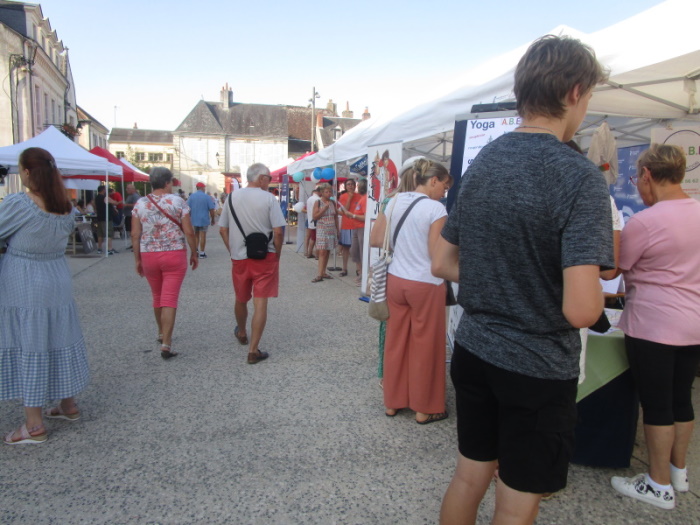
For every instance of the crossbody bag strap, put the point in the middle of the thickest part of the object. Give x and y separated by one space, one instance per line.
173 219
403 218
235 217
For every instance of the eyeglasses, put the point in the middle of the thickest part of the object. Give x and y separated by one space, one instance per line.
633 180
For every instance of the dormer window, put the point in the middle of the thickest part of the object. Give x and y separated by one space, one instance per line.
337 133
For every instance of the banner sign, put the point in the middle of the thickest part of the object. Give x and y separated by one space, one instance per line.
689 139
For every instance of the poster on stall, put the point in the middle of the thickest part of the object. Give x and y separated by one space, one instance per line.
482 131
625 193
383 177
687 138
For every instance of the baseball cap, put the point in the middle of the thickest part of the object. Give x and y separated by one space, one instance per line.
201 185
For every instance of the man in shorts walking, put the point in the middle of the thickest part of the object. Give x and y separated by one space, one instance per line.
526 240
257 211
202 212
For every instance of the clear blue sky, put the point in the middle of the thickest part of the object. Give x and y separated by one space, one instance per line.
154 59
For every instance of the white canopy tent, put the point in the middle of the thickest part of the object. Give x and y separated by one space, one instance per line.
652 82
71 159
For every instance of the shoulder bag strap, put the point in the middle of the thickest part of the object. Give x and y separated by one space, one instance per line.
403 218
173 219
235 217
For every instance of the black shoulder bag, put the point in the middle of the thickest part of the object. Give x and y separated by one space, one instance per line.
256 243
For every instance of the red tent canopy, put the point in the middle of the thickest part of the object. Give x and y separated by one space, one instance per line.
277 174
129 174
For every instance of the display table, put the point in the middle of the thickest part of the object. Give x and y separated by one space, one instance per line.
608 408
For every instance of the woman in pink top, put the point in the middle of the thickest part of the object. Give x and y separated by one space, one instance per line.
660 259
160 233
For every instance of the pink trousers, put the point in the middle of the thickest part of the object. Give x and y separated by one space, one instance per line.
414 348
165 272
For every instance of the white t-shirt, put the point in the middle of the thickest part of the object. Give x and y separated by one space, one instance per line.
310 203
257 211
411 256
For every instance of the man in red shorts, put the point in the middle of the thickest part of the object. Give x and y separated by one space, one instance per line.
257 210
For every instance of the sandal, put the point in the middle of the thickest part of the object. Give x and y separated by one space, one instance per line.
394 410
160 338
343 273
317 279
327 276
25 438
58 413
243 339
167 354
432 418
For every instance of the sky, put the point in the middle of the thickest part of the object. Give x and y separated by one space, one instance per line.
150 61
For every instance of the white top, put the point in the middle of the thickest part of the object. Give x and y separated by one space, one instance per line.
411 257
310 202
257 211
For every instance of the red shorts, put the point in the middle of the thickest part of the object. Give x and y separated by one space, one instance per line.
312 233
259 278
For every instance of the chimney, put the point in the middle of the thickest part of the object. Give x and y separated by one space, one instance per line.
347 113
226 97
319 119
332 108
366 114
136 126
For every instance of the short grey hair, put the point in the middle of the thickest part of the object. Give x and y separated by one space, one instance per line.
160 177
255 170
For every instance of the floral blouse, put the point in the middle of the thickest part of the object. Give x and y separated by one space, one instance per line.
158 233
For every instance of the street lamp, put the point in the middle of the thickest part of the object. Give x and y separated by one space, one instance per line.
314 96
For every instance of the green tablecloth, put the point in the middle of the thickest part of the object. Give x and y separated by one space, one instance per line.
605 360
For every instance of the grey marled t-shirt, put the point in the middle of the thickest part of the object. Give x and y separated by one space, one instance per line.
528 207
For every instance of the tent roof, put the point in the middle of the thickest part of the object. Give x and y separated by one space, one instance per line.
71 159
647 84
129 174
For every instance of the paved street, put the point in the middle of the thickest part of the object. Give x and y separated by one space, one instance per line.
298 439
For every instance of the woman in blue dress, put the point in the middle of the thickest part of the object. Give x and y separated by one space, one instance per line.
42 351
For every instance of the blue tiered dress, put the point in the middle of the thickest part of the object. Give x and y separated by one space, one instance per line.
42 351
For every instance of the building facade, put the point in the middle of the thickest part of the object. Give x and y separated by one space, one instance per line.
217 139
144 148
92 132
35 74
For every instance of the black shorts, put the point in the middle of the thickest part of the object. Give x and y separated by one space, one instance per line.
526 423
664 376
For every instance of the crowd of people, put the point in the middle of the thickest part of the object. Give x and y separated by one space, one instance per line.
527 239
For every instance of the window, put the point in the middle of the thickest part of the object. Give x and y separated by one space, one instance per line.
46 108
140 157
120 154
155 157
337 133
169 157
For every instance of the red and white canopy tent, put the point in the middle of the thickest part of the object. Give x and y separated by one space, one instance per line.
130 175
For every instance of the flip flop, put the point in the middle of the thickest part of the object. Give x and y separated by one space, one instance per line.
58 413
25 438
327 276
432 418
317 279
343 274
167 354
242 339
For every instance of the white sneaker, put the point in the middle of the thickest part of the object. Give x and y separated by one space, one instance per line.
638 488
679 480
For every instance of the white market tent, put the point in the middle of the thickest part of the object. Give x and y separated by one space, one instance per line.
654 63
71 159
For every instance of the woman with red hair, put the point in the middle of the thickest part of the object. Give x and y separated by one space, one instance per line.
42 351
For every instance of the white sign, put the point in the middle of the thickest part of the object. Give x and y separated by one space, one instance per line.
483 131
689 140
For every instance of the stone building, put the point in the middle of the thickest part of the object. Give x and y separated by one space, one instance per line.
215 137
144 148
35 74
92 132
